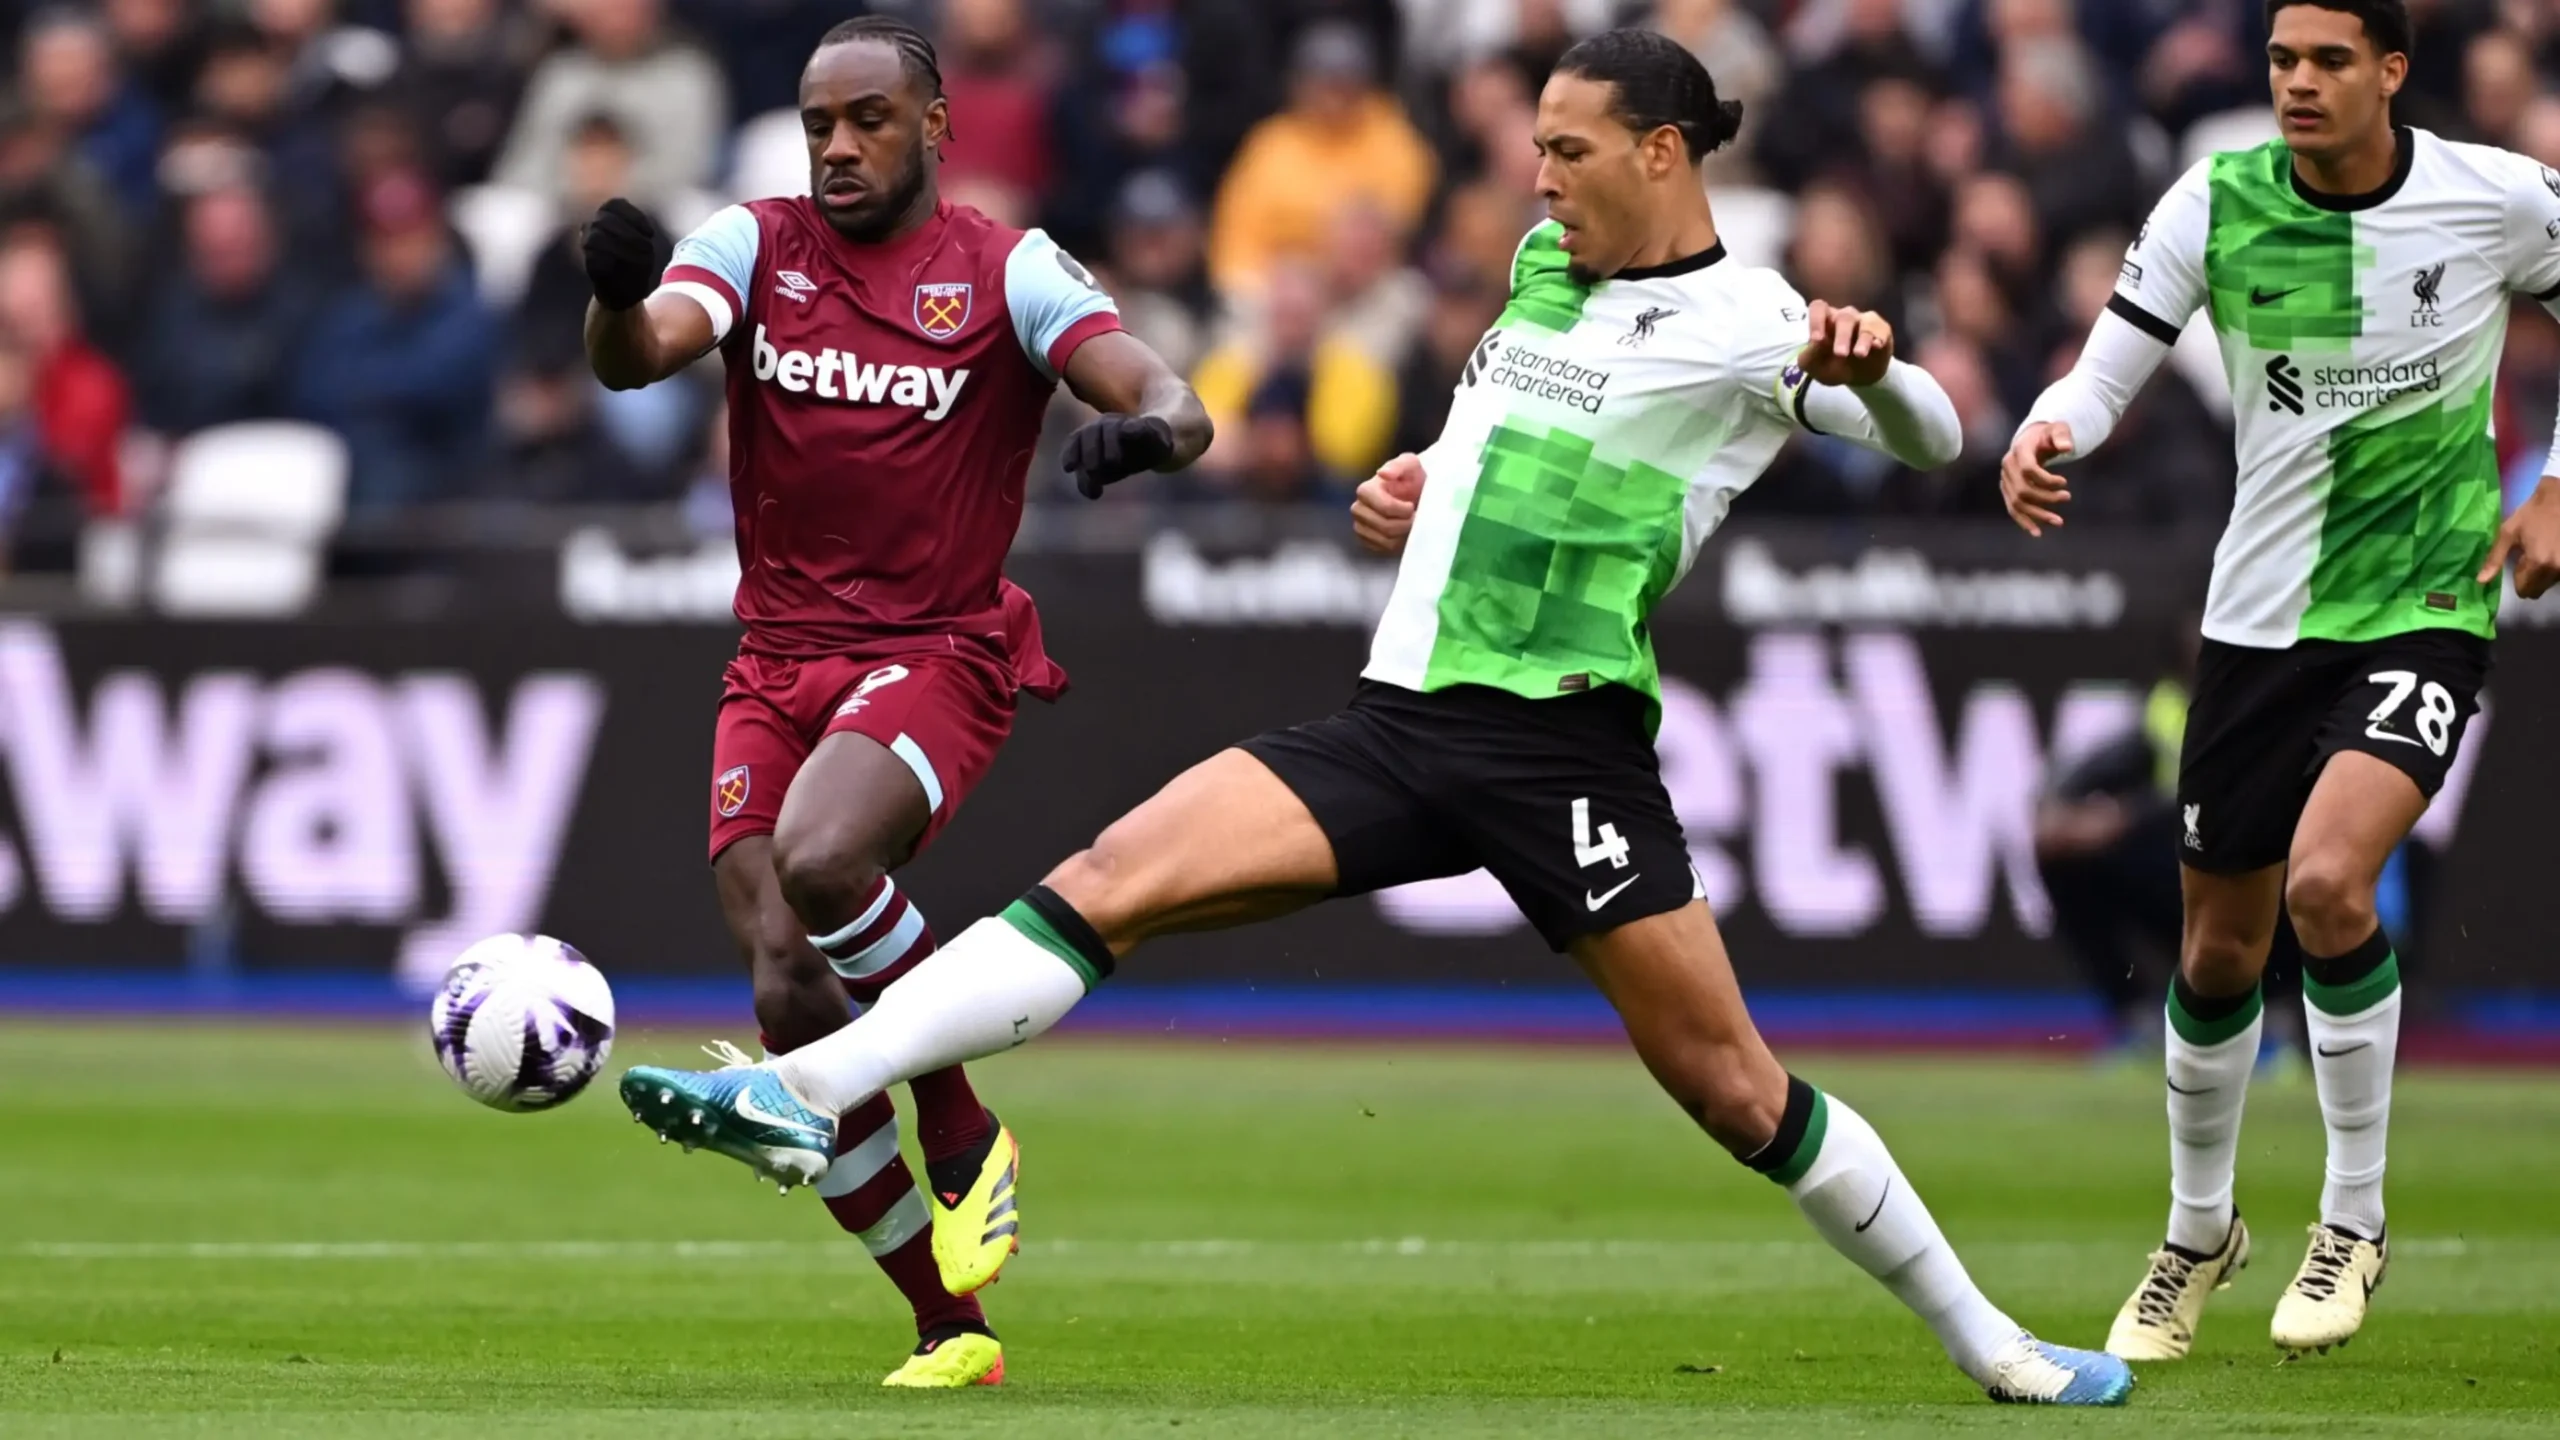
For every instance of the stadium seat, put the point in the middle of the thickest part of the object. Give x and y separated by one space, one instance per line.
1755 224
771 158
506 229
246 518
2230 130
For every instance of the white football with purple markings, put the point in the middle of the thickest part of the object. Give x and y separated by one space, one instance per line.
523 1022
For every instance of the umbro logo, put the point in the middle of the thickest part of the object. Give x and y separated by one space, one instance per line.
795 286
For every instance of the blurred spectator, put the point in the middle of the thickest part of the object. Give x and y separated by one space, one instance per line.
160 45
464 70
41 180
1737 51
568 438
1447 35
67 71
326 58
1228 50
2538 133
664 91
595 168
1909 202
1279 455
762 44
2080 173
1349 399
1099 147
998 77
1820 99
1995 218
246 88
80 399
556 452
1155 268
23 471
1464 305
1340 126
1378 301
1838 252
1126 113
2207 61
400 364
2498 84
1481 229
224 334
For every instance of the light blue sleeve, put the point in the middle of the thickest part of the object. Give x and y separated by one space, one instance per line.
716 265
1049 294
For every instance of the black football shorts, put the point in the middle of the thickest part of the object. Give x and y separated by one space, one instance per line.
2264 722
1561 799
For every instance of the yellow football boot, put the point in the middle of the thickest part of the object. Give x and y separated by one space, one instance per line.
951 1362
976 1227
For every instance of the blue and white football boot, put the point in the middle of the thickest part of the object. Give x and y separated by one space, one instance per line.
2027 1371
743 1111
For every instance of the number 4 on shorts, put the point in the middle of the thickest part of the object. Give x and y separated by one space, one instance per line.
1613 847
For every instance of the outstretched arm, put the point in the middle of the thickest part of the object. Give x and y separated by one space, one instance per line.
2077 414
1847 383
637 333
1151 420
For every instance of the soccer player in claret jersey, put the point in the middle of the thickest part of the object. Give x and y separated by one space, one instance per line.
889 357
2358 275
1637 382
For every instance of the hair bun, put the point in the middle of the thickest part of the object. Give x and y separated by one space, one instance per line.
1728 122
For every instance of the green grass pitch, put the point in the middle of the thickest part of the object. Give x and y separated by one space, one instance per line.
238 1231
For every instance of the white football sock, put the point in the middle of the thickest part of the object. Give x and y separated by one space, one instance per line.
1858 1199
2352 1056
987 991
2209 1064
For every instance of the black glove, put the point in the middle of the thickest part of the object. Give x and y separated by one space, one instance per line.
1114 448
625 252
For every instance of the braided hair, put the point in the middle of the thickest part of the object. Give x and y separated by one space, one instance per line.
915 51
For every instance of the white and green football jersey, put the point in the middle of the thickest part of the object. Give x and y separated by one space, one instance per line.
2362 336
1599 435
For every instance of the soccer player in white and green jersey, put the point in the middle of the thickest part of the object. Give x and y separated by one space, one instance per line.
2358 275
1637 382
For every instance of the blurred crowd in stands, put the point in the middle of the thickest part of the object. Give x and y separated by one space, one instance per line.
361 213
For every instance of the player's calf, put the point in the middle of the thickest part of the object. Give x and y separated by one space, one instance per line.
797 998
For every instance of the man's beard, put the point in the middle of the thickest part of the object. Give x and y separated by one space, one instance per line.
875 222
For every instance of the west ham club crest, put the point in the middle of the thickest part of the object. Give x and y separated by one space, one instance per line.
942 309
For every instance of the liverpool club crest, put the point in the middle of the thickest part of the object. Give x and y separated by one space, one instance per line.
942 309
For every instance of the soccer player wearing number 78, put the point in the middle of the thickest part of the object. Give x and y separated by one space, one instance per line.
2358 276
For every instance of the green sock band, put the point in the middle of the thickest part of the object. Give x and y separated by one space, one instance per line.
2358 996
1814 1126
1792 1150
1053 925
2219 1020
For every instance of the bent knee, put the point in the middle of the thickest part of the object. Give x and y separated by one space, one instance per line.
824 877
1112 883
2325 896
1736 1093
798 999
